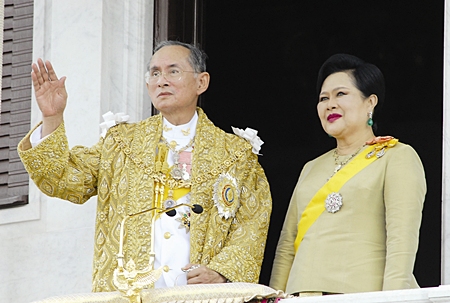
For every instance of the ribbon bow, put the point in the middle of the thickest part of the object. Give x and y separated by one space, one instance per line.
250 135
112 119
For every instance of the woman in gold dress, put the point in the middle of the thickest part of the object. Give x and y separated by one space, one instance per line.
354 217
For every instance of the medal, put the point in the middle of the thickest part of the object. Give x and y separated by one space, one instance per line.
333 202
226 196
185 220
176 172
169 203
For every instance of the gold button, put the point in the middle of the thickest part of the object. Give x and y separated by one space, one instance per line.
167 235
166 268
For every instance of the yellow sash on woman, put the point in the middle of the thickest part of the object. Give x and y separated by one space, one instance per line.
316 206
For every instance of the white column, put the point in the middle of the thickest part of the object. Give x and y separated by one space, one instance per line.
102 46
127 35
445 258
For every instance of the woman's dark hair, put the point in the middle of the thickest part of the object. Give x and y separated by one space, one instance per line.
368 78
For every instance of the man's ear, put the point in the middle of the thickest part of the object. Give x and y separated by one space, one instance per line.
202 82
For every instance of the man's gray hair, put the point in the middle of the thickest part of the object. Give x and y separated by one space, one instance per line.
197 57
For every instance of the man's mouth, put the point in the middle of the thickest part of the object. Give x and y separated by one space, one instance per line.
162 94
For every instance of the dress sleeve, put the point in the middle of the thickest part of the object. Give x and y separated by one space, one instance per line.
404 194
285 252
241 258
59 172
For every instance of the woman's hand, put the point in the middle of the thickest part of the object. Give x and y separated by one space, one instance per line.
51 95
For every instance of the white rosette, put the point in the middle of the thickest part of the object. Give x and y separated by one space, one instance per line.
112 119
250 135
226 195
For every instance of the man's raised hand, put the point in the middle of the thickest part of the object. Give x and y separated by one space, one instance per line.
51 95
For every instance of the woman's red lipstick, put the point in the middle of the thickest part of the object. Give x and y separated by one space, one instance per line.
333 117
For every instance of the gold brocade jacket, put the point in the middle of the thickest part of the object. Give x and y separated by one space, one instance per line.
119 170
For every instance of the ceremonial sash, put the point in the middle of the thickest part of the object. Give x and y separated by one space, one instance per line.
316 206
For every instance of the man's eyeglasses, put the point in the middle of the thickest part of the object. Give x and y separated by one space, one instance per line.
173 75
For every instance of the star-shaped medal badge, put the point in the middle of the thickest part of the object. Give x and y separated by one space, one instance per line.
185 220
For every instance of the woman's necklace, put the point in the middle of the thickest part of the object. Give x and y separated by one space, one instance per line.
340 164
177 172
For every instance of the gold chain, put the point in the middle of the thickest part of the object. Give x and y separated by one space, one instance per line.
176 172
340 164
172 148
336 157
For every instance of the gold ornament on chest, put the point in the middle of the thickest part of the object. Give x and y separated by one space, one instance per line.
172 183
172 145
179 170
226 195
186 132
185 220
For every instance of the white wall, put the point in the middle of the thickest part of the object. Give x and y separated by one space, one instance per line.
102 47
445 260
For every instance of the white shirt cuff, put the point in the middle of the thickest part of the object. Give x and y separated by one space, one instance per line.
35 137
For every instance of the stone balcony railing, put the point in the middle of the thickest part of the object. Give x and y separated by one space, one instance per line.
419 295
247 292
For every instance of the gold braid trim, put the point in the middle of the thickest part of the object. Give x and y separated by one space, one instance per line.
123 144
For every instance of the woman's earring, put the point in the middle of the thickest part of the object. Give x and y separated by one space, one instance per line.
370 121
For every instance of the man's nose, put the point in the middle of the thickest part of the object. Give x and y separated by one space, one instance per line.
162 80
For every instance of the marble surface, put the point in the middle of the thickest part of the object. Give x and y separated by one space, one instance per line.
128 33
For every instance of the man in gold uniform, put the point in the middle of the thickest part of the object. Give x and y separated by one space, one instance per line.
176 157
